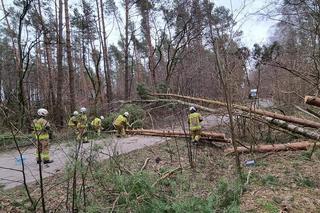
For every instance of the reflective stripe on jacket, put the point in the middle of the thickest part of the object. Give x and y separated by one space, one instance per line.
194 120
40 131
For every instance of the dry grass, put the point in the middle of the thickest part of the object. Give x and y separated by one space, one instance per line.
278 179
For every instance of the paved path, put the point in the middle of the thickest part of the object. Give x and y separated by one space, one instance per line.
10 178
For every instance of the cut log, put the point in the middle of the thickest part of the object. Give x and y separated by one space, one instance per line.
312 100
210 136
208 103
274 148
295 129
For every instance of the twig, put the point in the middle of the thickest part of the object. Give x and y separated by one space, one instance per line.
115 203
166 175
145 164
248 177
305 111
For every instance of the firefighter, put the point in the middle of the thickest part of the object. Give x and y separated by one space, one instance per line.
121 123
97 125
82 126
73 122
194 120
41 132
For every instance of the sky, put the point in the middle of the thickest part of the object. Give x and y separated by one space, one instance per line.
256 29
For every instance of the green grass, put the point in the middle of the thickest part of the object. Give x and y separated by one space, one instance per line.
269 180
304 181
268 206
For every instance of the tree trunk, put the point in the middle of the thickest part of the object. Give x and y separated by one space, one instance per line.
206 102
107 69
273 148
126 52
69 57
295 129
58 110
48 56
211 136
312 100
151 59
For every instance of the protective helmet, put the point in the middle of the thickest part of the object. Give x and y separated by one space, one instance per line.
101 117
83 110
42 112
192 109
126 114
75 113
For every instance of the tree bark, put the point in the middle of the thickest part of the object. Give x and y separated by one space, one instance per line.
48 58
69 58
126 52
273 148
312 100
107 69
209 136
145 12
295 129
59 104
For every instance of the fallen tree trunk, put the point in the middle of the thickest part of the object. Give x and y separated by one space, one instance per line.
210 136
202 102
312 100
295 129
273 148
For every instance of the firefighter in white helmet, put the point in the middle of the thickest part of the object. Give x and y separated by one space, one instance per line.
121 123
41 132
82 126
194 120
96 123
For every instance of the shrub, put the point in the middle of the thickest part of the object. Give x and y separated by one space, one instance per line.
162 88
143 91
108 120
137 115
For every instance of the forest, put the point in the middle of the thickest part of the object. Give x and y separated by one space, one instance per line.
159 61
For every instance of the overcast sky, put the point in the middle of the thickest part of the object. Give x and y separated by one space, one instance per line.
255 28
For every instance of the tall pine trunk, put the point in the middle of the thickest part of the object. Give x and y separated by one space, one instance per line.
126 53
59 110
107 69
69 58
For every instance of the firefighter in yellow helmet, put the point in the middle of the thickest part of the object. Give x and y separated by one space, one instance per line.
82 126
121 123
41 132
97 125
194 120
